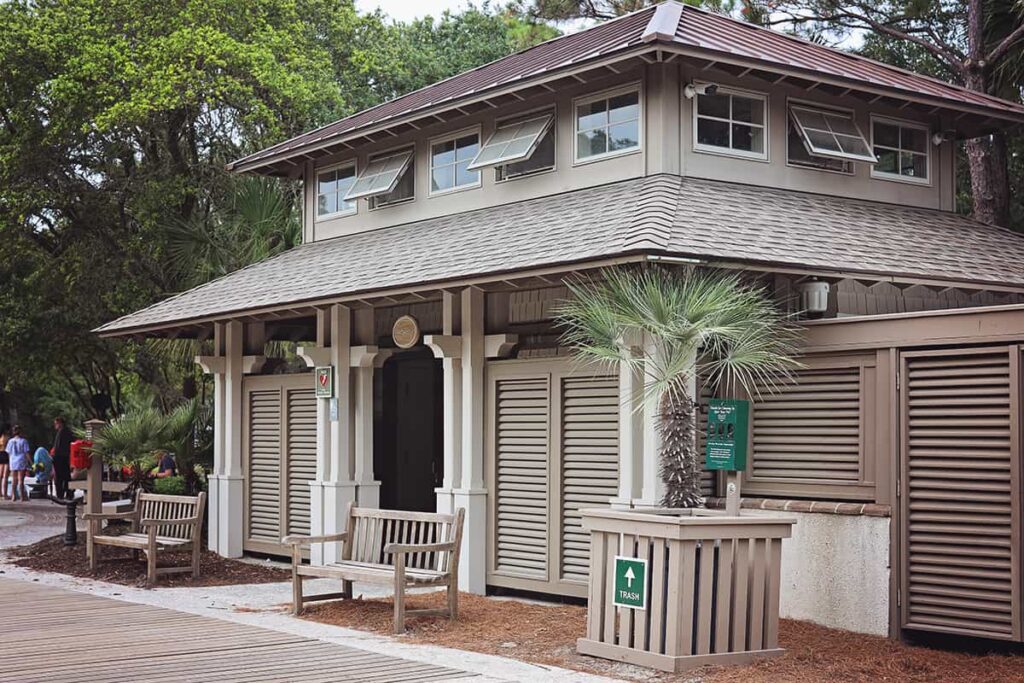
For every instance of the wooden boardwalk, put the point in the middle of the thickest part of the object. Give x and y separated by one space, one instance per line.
51 634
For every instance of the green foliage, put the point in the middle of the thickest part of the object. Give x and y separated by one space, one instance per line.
688 324
170 486
116 119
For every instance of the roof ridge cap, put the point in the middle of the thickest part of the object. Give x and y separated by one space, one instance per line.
664 22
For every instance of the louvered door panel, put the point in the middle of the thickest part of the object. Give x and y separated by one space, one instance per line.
264 463
589 464
960 505
521 476
301 456
809 429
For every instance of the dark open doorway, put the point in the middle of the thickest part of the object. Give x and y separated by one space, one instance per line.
408 438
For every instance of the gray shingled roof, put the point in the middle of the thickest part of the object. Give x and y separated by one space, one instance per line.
662 214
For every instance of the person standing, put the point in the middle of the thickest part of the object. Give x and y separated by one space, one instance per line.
18 452
62 457
5 461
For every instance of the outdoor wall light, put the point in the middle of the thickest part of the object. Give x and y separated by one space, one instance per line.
693 89
814 296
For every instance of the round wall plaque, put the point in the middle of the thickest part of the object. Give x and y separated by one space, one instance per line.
406 332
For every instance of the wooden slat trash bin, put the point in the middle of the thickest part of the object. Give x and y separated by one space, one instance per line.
709 587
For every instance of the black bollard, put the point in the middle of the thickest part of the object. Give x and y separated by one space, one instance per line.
70 530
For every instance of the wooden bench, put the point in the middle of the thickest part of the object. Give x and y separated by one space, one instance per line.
389 547
158 523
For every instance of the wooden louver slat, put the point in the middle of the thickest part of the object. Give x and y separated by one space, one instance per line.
301 456
521 476
809 429
960 559
264 471
590 462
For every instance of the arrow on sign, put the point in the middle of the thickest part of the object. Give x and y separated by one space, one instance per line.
629 577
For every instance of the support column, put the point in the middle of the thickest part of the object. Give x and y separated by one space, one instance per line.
214 365
364 359
472 492
319 355
448 348
631 431
339 486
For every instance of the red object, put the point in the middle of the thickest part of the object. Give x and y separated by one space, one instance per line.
81 458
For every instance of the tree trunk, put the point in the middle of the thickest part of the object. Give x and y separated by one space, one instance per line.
680 463
990 184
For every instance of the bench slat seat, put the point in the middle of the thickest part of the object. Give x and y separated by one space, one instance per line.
406 549
158 523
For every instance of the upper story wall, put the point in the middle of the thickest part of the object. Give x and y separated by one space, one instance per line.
667 145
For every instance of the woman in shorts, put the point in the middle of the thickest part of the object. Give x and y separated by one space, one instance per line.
21 462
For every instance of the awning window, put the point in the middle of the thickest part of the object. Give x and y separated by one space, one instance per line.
512 142
831 134
381 175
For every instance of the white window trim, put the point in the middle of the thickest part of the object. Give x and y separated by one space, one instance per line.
317 217
577 102
897 177
807 103
412 169
764 156
430 158
553 130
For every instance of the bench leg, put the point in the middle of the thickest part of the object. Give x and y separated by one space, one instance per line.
296 594
453 600
195 558
346 589
90 548
399 624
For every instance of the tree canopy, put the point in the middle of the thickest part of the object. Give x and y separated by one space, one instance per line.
116 120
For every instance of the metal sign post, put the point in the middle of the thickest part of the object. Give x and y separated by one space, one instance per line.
726 445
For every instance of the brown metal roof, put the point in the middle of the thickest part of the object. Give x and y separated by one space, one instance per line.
710 31
713 35
660 215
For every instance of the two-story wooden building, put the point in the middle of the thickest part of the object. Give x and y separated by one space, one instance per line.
671 135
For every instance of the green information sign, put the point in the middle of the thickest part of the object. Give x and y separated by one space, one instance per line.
325 382
726 443
630 586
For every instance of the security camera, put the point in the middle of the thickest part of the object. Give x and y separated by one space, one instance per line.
943 136
693 89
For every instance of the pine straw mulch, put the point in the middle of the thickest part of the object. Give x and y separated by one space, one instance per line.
117 566
546 634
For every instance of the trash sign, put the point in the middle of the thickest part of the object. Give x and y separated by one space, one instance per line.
726 443
630 585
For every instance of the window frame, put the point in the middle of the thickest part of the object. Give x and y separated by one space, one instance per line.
552 130
371 201
448 137
577 102
790 102
826 111
699 148
898 177
317 216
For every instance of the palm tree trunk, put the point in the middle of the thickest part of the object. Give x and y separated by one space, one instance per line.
680 462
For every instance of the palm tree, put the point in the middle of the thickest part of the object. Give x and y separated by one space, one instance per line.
692 323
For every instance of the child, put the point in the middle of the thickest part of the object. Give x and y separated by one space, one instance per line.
18 450
43 468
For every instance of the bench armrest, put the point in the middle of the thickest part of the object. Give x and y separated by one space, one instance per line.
307 540
108 515
409 548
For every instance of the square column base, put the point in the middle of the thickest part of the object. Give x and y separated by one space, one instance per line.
226 504
316 520
337 495
368 494
473 559
445 501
